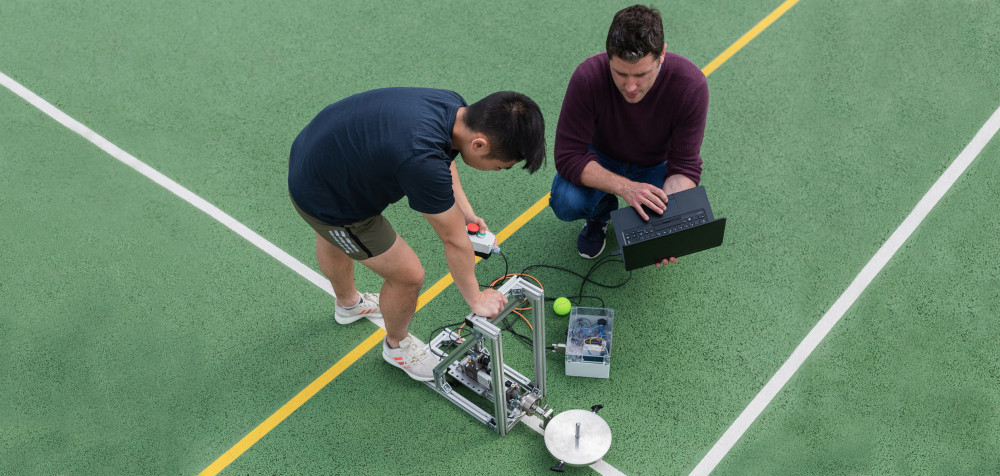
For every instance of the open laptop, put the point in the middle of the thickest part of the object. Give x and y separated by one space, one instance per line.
686 226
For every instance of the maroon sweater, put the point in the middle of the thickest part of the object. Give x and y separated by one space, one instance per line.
668 124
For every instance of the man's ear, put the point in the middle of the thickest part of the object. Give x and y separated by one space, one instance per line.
481 145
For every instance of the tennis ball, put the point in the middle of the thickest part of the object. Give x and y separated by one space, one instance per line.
561 306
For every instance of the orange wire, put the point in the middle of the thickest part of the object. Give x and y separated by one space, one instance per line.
519 274
525 319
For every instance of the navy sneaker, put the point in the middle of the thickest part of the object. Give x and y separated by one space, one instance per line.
591 241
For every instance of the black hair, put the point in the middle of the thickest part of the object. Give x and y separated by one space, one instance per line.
514 126
636 32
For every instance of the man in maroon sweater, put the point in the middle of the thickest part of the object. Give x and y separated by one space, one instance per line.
631 126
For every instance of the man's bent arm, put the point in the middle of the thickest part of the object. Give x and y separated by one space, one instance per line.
575 128
450 227
460 198
594 175
678 182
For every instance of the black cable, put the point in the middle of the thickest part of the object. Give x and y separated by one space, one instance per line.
506 264
435 332
605 260
586 278
521 337
506 268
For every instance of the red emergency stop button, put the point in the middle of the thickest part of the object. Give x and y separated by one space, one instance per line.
473 228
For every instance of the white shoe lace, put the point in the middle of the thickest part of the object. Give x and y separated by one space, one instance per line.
370 299
367 301
414 353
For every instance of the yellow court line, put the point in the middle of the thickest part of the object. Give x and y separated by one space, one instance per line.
523 219
740 43
293 404
313 388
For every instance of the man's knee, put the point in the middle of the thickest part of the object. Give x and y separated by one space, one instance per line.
415 277
566 200
578 203
399 266
561 209
407 273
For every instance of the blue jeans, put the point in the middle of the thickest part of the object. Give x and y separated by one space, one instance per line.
571 203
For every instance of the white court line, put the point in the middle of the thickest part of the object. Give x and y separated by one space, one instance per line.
846 300
174 187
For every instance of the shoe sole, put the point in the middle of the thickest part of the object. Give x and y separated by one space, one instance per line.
349 320
352 319
414 377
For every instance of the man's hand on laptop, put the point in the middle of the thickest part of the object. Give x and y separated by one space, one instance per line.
639 194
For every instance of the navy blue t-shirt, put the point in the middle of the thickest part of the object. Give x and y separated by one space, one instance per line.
367 151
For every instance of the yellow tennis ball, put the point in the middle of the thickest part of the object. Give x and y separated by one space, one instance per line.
561 306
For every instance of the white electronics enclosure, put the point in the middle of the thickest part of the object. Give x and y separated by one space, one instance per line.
588 342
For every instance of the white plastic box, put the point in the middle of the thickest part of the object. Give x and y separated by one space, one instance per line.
588 342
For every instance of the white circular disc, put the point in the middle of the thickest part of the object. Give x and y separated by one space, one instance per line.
561 437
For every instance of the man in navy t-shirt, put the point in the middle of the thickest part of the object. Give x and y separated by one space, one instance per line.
631 126
365 152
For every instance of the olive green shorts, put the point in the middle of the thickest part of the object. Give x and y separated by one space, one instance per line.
360 240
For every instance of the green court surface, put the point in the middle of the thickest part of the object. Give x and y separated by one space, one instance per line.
143 336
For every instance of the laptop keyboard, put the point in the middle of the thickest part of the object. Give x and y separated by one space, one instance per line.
664 226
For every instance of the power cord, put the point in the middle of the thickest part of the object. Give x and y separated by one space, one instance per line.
586 278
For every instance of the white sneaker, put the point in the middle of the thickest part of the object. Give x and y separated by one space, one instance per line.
367 307
412 357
